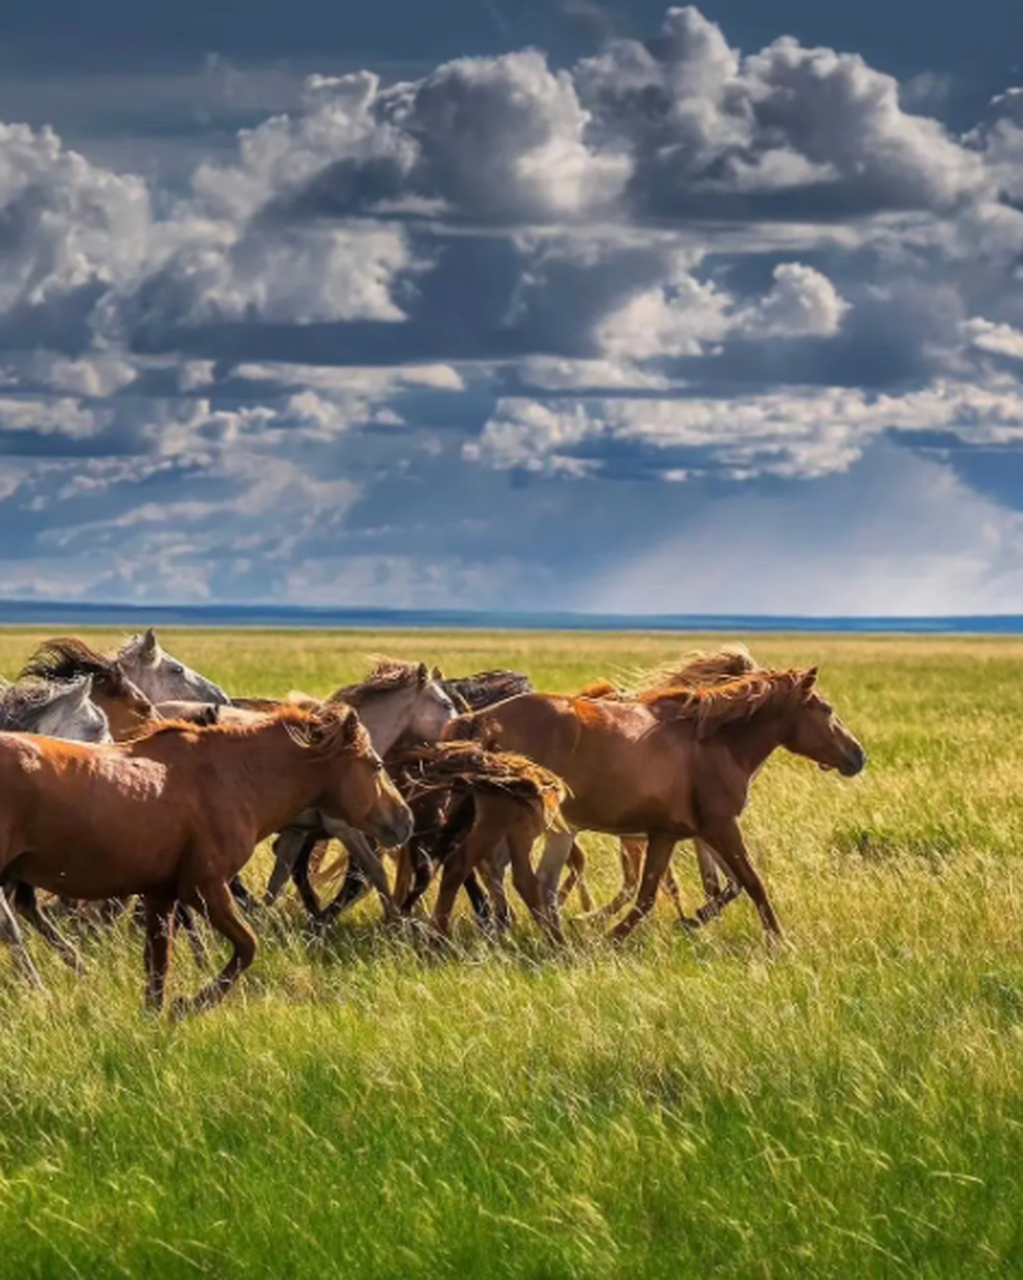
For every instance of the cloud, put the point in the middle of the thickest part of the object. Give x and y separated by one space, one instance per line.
480 335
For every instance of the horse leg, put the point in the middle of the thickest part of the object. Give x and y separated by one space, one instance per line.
493 871
630 856
241 895
362 852
707 863
725 838
520 845
404 877
480 902
552 862
184 918
658 854
26 903
287 847
11 934
160 916
457 866
301 874
422 874
215 900
576 879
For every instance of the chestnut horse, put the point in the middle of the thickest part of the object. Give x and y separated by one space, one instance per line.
487 799
175 814
672 764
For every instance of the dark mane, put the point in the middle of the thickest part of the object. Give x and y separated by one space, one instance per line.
484 688
462 767
697 669
715 706
69 658
386 676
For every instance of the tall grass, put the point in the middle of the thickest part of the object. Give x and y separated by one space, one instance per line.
850 1104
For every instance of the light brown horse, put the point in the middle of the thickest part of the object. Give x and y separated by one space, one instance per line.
671 765
175 814
696 670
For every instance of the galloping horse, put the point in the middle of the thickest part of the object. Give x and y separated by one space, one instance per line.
175 814
486 799
671 764
397 700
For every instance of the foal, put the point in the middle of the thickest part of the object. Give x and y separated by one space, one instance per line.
175 814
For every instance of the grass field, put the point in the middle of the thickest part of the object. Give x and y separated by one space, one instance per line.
687 1106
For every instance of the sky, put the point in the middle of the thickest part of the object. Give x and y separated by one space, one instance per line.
513 305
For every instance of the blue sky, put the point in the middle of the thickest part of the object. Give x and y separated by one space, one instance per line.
513 305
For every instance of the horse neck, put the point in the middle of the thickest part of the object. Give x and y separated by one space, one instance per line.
266 773
386 716
753 740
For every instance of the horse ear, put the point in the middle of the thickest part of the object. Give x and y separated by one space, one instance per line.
79 694
423 675
149 649
808 679
436 674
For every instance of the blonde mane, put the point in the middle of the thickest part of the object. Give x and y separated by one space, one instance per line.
717 705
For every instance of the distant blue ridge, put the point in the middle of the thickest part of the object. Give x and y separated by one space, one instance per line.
71 613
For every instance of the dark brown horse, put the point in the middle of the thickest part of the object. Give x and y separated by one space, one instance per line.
672 764
175 814
488 799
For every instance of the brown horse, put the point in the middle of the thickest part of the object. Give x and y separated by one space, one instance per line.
672 764
697 669
175 814
489 799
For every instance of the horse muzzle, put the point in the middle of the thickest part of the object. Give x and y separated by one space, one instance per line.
394 830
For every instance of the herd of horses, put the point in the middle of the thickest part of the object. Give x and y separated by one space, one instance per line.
130 778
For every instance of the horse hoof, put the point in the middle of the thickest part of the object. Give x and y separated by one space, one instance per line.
689 923
180 1009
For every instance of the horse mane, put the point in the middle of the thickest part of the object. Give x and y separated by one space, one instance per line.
600 689
463 767
322 729
717 705
23 703
70 658
697 669
386 676
484 688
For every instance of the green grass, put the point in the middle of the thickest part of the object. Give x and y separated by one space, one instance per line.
851 1105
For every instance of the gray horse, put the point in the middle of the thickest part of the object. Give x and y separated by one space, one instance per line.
54 709
162 677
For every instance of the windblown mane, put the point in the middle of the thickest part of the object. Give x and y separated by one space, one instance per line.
697 670
462 767
484 688
22 705
714 706
69 658
386 676
325 730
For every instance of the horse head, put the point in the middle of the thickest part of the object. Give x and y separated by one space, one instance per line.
817 733
162 677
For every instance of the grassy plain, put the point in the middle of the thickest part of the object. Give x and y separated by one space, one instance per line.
687 1106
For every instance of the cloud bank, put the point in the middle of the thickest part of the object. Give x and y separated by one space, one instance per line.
519 334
